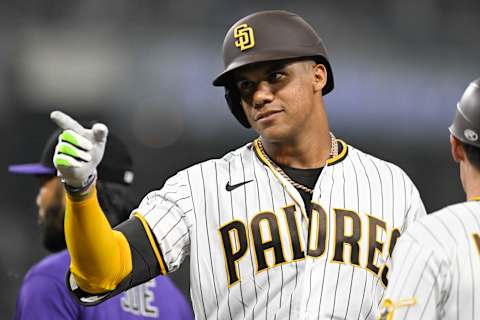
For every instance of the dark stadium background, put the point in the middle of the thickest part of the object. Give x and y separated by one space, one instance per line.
145 69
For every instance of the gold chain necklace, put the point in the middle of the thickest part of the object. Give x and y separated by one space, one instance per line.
333 153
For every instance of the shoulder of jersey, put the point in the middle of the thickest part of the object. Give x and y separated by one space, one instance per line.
444 215
450 210
359 155
435 230
55 265
458 211
235 153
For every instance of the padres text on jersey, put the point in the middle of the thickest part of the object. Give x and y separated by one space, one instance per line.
256 255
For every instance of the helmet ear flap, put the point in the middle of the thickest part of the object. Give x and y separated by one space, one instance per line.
233 101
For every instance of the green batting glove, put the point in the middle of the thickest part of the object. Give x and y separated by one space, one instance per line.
79 150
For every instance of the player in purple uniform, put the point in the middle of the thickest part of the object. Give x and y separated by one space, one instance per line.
43 294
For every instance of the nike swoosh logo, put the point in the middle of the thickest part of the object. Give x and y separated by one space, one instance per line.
235 186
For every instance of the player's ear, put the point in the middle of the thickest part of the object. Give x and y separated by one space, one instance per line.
319 77
458 153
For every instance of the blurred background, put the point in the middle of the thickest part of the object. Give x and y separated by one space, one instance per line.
145 69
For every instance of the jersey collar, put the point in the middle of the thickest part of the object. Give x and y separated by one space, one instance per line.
288 187
330 162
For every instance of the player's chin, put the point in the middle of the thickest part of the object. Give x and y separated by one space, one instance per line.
274 133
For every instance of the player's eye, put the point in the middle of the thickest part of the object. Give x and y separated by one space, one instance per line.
245 85
275 76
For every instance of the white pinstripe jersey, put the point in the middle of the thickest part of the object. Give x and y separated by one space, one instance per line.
436 267
254 254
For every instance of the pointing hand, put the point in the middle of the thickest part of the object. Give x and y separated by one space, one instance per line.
79 150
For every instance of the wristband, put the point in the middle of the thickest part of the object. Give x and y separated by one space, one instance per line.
78 193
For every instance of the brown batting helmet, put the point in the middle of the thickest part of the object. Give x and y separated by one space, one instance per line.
466 123
268 36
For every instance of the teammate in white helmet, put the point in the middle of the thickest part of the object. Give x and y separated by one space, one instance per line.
436 265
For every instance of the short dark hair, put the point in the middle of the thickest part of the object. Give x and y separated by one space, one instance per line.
473 154
115 200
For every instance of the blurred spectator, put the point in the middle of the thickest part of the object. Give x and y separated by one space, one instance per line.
43 294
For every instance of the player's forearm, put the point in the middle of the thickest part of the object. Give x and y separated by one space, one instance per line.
100 256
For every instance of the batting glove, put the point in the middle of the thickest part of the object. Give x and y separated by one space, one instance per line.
78 151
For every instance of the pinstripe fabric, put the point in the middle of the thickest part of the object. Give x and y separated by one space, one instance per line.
437 263
235 273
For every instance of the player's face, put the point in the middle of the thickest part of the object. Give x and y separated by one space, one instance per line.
51 208
279 97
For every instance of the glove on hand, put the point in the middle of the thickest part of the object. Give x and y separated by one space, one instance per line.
78 151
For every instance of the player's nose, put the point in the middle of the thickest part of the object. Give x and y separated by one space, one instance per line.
38 200
262 95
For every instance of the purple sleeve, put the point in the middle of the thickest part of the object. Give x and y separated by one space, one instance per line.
187 313
43 297
161 299
176 299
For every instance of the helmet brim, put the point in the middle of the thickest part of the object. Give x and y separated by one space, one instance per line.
224 78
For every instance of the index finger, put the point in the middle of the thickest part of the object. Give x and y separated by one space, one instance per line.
66 122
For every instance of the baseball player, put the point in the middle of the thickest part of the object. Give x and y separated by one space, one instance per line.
294 225
436 264
43 294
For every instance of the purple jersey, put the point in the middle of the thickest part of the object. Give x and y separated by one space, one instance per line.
43 295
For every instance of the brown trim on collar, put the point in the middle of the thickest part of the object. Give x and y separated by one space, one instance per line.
330 162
